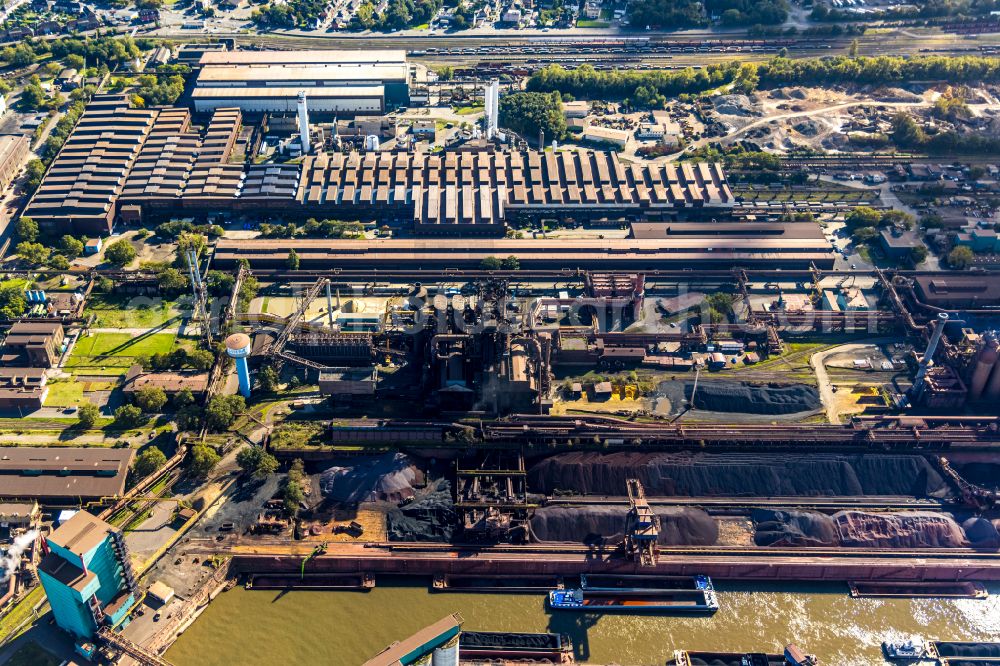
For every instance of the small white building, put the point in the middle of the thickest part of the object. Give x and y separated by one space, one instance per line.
600 134
576 109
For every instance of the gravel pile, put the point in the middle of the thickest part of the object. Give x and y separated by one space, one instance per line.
697 474
793 528
679 526
430 517
723 396
388 477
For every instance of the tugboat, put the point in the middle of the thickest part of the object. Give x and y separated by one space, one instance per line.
909 650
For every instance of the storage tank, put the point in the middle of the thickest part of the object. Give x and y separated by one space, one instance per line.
989 351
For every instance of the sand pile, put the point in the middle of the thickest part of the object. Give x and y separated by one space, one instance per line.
914 529
698 474
679 526
723 396
858 529
389 477
430 517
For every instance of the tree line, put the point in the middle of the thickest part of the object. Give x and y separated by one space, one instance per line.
586 82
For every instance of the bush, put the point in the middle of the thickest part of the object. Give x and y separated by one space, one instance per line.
151 399
255 460
128 416
960 258
203 460
120 253
88 414
149 461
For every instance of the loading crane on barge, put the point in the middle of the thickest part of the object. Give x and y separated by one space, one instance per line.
642 526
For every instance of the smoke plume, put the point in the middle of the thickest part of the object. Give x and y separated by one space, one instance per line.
10 561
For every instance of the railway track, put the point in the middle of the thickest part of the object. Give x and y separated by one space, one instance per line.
614 431
699 551
830 504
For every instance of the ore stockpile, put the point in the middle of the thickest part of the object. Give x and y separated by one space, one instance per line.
740 397
679 526
698 474
421 507
712 475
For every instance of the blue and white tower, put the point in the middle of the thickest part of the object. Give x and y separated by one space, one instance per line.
238 347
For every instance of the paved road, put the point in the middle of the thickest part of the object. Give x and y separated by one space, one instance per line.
818 363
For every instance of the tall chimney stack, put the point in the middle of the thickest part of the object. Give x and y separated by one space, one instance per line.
304 123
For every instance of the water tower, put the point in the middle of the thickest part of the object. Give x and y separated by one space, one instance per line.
238 347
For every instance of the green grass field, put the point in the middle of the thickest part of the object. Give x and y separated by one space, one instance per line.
124 344
115 312
114 353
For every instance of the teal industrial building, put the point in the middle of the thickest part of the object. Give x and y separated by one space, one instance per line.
87 576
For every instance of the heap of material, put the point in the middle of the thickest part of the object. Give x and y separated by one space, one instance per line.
739 474
861 529
386 477
679 526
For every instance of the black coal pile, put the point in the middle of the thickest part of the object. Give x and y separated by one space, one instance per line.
982 532
736 660
981 474
592 524
723 396
697 474
794 528
482 639
858 529
389 477
430 517
979 650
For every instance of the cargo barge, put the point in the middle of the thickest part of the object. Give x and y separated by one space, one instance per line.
943 653
918 589
310 581
792 656
629 583
957 653
634 601
511 647
504 584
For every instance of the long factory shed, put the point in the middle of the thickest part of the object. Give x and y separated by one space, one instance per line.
593 254
142 165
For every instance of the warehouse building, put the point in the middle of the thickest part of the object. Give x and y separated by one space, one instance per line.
172 383
62 476
336 82
81 187
22 389
33 344
153 164
14 150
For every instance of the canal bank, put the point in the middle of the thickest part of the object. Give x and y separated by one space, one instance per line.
251 627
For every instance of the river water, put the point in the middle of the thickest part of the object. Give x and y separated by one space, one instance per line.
264 627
